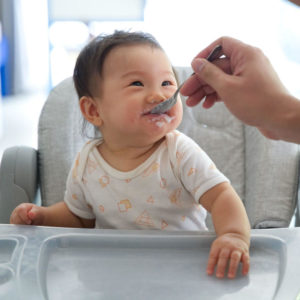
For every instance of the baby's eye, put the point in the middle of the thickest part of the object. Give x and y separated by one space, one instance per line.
165 83
137 83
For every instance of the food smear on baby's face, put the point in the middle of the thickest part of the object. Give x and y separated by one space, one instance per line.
161 120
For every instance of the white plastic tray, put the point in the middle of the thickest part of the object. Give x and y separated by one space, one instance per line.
58 263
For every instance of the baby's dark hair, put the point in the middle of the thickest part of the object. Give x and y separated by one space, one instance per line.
90 61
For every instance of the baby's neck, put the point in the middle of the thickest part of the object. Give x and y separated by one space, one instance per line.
127 159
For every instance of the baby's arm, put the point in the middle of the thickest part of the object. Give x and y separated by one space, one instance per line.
232 228
54 215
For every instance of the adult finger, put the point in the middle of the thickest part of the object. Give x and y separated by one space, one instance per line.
229 46
210 100
196 98
210 74
205 71
194 83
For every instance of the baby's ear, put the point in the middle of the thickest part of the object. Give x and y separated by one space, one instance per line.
89 109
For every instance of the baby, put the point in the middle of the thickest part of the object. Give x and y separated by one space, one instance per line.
142 173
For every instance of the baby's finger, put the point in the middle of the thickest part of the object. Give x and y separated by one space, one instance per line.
19 216
36 215
235 259
246 263
212 261
23 213
24 219
15 219
222 262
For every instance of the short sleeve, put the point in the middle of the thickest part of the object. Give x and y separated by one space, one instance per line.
196 170
75 196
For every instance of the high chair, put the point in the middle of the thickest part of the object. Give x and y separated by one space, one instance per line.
263 172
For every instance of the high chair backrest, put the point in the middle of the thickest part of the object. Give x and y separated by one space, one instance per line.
263 172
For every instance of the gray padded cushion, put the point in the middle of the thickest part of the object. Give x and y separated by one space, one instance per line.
59 139
263 172
18 184
272 174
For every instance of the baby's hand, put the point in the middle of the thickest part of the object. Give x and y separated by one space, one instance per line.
27 214
228 248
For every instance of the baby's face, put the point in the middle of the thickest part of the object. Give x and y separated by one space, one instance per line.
136 78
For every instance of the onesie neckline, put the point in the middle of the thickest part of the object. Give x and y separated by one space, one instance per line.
121 174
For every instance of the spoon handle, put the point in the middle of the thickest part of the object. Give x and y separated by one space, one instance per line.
215 53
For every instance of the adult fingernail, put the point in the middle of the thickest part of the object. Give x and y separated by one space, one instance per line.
198 64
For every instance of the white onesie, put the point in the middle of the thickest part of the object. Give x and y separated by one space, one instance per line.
161 193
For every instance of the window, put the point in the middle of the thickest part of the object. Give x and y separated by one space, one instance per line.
185 27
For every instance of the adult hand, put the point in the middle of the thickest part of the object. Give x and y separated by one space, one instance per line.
248 85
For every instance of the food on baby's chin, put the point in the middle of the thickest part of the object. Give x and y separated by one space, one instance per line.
167 119
161 120
159 124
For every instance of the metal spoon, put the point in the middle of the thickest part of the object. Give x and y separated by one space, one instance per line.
166 105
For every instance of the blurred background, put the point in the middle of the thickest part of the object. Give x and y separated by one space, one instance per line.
40 40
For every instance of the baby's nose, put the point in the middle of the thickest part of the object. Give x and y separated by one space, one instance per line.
156 98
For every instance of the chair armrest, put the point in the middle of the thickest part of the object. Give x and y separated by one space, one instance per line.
18 179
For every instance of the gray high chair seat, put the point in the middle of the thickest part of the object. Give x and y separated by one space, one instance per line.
263 172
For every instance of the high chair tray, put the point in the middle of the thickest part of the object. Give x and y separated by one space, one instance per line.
60 263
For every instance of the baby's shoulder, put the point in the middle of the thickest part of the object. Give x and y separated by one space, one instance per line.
177 140
83 155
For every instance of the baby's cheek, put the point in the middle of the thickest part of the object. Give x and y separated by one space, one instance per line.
127 116
178 107
178 112
133 118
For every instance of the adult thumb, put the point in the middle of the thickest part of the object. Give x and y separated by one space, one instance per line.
209 73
